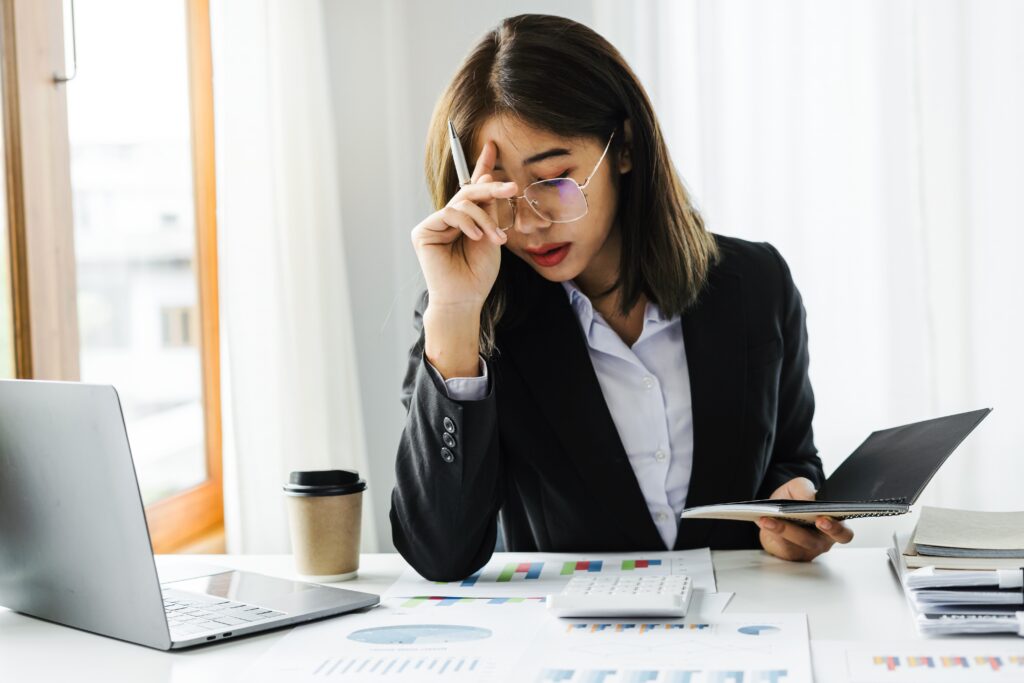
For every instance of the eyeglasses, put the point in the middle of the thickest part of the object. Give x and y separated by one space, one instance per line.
558 200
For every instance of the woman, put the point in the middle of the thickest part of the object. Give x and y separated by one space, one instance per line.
591 360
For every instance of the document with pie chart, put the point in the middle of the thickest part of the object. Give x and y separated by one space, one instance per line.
486 640
419 639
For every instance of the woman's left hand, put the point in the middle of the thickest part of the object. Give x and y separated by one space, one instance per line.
797 542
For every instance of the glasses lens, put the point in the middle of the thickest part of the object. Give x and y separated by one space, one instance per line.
559 200
506 213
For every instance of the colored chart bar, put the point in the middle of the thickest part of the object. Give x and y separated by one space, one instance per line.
891 663
583 627
569 568
995 662
444 601
555 675
682 676
726 676
530 569
640 676
471 579
629 565
389 667
596 676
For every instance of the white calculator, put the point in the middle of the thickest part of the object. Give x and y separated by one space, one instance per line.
623 596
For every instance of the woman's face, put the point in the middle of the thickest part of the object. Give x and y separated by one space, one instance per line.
558 251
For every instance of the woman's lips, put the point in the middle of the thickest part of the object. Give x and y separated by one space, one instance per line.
549 255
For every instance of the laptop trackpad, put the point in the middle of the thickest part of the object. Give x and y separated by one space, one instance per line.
253 589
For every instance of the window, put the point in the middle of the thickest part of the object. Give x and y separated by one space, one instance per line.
141 161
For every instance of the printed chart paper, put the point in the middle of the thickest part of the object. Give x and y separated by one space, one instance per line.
951 660
518 575
729 648
491 640
405 640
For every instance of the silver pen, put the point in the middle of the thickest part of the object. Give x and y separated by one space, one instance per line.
465 177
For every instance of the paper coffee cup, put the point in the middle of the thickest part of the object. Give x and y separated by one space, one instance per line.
324 514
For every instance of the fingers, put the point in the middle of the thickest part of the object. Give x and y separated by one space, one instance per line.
798 488
483 220
805 542
485 162
837 531
444 226
783 549
458 218
484 192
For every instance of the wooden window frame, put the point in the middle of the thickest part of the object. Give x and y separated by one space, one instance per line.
41 232
179 519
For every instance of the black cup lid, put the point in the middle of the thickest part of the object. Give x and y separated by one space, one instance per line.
324 483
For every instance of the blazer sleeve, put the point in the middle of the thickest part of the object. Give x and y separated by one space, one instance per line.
445 503
793 453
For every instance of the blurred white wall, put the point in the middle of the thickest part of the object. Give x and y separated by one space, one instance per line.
877 144
389 62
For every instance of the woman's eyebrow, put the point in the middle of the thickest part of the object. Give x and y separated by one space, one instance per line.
554 152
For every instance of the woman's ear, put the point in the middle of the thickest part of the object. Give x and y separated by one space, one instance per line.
625 157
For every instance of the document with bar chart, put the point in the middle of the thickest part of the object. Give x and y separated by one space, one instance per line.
953 660
520 575
459 641
730 648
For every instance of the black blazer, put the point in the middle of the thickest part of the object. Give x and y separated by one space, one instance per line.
541 449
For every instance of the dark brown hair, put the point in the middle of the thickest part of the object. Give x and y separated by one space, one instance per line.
558 75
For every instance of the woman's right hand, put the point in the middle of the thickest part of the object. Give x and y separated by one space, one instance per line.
459 247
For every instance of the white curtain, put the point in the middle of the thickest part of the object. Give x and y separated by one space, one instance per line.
290 375
879 145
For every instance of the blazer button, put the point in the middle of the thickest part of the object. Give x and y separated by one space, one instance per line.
447 455
449 426
448 439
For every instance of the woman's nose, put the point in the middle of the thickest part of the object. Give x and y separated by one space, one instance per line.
527 220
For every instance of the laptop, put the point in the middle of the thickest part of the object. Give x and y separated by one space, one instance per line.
75 548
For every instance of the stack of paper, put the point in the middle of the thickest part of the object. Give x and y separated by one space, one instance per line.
967 539
952 601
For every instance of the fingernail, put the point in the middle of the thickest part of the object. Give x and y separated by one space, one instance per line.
769 524
825 524
508 186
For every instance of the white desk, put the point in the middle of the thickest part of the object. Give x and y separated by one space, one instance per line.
848 594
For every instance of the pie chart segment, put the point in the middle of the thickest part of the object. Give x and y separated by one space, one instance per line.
419 634
758 630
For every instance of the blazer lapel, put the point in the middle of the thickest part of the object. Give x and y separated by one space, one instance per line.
552 357
715 341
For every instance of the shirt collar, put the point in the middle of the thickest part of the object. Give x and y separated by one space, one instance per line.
584 309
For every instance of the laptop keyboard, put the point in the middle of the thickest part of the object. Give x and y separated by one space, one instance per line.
189 617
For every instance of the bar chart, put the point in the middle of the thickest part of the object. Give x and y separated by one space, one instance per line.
662 676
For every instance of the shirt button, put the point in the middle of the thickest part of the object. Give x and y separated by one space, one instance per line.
449 426
448 439
648 382
447 455
659 455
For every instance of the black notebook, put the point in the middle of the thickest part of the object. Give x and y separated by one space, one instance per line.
884 476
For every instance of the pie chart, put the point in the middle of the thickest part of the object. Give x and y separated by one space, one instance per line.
757 629
419 634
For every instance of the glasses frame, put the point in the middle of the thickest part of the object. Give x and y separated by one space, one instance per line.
514 201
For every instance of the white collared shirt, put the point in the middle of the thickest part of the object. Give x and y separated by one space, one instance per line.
647 390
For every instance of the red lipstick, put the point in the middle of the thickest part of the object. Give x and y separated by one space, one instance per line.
548 255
